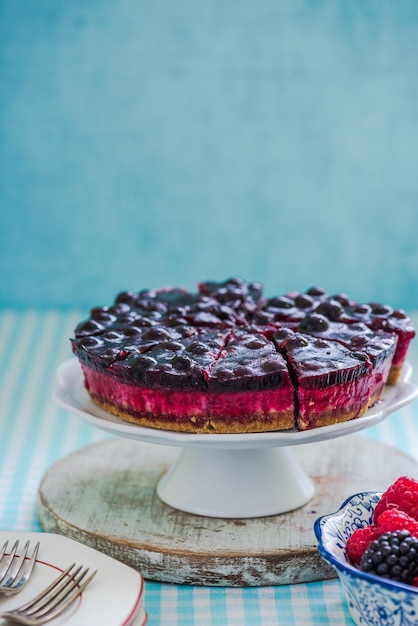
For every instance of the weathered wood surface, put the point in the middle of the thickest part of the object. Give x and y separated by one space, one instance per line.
105 497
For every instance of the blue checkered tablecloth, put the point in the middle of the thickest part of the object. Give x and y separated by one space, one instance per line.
35 432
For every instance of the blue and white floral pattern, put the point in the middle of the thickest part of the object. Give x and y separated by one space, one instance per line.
372 601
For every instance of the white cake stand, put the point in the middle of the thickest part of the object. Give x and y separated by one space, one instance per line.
230 475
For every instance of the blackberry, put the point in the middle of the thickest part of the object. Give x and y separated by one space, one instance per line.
393 555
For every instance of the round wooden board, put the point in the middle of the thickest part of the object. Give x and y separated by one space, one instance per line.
105 497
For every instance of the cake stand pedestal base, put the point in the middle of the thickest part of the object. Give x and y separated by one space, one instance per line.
239 483
105 496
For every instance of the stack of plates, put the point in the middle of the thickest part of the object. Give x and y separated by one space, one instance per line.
113 598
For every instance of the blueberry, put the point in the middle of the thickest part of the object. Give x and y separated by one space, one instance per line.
304 301
316 291
381 309
270 365
174 346
263 317
174 320
359 341
142 322
223 373
342 298
314 323
362 356
90 327
197 347
255 344
297 341
143 362
101 314
283 333
181 363
90 342
331 309
132 331
362 309
156 333
127 297
281 303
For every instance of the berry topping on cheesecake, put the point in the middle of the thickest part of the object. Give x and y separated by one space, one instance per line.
377 317
379 346
228 359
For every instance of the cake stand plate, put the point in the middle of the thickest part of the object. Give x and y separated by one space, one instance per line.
105 496
230 510
230 475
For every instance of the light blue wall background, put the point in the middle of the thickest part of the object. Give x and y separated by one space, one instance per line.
151 143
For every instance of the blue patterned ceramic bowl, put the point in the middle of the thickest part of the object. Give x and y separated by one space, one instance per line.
372 600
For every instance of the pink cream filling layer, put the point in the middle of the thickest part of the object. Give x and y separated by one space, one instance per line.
349 399
177 404
400 352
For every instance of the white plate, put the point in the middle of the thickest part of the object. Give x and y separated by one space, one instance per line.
113 598
72 395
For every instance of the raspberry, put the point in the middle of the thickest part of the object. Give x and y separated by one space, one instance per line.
359 541
403 495
393 519
394 555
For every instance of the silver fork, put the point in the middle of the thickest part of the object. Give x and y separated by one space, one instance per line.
53 600
15 569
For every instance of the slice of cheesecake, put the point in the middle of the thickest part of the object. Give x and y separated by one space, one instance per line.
333 383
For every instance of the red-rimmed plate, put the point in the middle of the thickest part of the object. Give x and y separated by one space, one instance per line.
113 598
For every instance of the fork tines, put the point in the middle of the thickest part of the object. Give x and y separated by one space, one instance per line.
15 569
53 600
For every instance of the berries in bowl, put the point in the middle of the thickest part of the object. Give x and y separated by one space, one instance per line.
372 543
